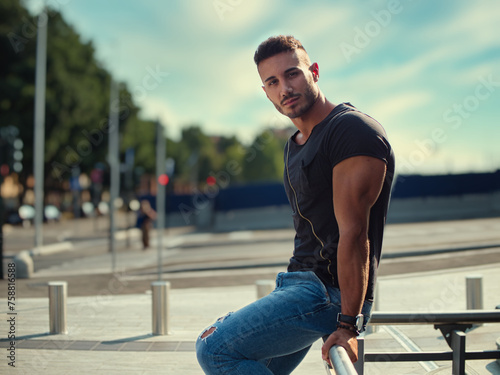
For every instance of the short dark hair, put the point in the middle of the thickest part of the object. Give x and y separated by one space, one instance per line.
274 45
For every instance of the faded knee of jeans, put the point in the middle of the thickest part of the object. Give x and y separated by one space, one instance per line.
206 333
210 330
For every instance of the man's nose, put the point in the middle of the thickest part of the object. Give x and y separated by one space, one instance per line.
286 90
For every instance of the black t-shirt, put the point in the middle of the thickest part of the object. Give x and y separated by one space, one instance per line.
344 133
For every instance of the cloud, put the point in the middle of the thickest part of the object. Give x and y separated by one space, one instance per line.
390 107
470 30
427 58
156 108
226 17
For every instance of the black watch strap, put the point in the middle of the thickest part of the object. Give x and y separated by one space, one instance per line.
346 319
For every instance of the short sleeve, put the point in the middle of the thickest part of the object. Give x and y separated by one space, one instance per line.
356 134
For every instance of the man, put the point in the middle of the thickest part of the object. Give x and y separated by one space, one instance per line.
338 173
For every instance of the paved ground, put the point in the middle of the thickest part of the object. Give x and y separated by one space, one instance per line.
110 325
189 256
111 334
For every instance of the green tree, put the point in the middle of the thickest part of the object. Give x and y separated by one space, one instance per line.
195 156
232 167
140 135
77 94
77 102
77 106
17 77
264 158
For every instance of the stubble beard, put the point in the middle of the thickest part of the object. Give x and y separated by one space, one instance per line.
310 98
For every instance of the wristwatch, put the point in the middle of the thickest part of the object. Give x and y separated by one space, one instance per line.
356 321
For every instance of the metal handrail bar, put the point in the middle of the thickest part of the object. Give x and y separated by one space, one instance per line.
454 320
451 324
453 317
429 356
341 363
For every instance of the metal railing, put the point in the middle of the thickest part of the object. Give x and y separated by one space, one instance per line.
342 365
452 326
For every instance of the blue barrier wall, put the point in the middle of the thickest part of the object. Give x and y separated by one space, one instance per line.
446 185
273 194
251 196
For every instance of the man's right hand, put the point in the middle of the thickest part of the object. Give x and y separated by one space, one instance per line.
345 338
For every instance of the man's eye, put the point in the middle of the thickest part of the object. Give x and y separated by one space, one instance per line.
271 83
292 74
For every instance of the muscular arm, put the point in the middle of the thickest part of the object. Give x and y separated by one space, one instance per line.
357 183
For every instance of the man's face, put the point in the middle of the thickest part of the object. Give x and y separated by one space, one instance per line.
289 82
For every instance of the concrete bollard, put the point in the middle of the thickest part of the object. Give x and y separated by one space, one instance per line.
161 316
474 287
264 287
57 307
24 265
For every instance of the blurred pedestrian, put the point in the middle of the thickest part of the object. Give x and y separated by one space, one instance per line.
145 221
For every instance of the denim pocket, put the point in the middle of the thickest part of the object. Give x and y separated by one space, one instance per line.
308 280
322 286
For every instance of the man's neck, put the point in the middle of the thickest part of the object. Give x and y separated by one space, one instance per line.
317 113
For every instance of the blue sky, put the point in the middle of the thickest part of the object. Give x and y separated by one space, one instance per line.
429 71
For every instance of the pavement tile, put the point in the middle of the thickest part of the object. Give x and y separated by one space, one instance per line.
83 345
30 344
185 346
164 346
136 346
113 346
56 345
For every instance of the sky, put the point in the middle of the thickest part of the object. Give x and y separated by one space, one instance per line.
428 71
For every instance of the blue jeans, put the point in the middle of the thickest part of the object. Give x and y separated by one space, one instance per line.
273 334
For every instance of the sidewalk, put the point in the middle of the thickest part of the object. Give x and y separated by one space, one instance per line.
110 331
111 334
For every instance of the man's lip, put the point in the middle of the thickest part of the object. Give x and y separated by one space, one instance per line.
291 101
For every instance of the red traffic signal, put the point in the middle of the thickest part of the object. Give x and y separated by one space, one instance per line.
4 170
211 180
163 179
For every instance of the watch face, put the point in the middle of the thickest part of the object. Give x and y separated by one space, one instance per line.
359 322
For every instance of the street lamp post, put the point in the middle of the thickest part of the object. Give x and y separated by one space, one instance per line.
39 143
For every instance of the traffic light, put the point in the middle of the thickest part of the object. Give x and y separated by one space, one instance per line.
17 157
11 151
5 156
163 179
211 181
4 170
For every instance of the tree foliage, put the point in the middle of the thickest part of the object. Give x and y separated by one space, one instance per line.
77 107
264 161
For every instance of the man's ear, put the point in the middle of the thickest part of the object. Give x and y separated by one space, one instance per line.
314 68
264 88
